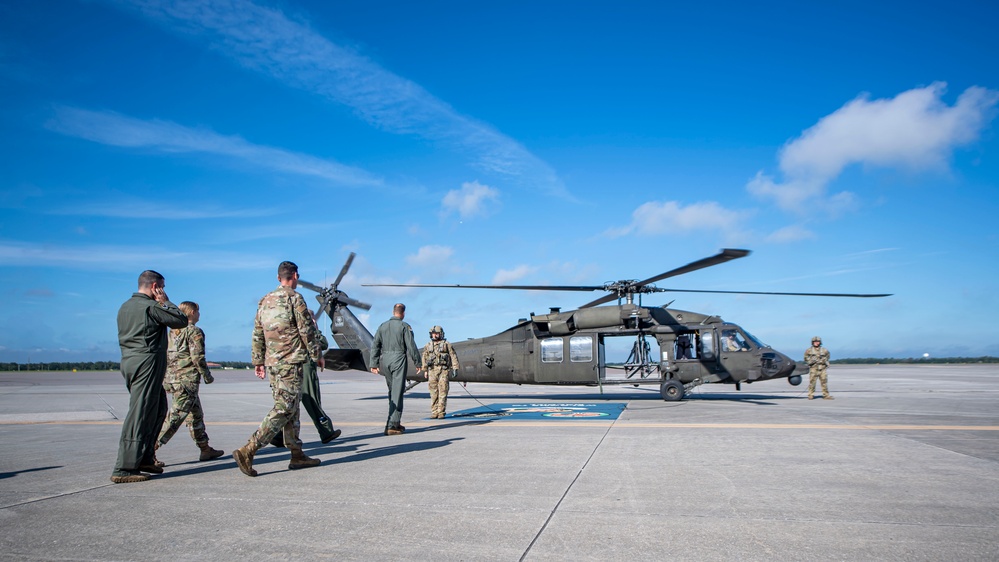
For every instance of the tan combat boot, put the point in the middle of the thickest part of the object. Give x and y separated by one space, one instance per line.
207 453
300 460
244 458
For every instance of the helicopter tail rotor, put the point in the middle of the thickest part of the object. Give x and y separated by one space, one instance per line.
332 296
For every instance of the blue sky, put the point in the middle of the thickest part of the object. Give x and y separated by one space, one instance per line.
851 146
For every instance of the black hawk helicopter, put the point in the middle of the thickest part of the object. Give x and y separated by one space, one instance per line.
569 348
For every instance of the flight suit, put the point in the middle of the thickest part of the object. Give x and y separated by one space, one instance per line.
142 336
311 398
392 344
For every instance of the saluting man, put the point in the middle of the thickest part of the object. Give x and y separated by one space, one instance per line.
817 358
439 359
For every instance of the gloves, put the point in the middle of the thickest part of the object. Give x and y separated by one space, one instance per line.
209 379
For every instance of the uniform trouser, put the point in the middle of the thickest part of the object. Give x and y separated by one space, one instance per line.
313 402
437 380
286 388
394 369
817 374
147 407
186 406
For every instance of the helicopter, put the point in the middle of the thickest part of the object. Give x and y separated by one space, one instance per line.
570 347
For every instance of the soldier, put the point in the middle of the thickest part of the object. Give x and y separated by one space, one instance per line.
142 334
186 366
817 358
284 337
313 402
392 344
439 359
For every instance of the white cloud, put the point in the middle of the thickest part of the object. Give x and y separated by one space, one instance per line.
792 233
430 256
125 258
509 276
670 217
114 129
915 130
263 39
471 200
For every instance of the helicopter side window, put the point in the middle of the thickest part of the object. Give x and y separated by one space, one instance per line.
581 349
551 350
707 342
685 347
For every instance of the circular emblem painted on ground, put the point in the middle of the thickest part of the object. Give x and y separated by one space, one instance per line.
575 414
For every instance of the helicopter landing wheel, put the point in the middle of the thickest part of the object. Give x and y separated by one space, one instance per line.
794 380
672 390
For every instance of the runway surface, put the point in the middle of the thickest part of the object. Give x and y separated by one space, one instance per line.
902 465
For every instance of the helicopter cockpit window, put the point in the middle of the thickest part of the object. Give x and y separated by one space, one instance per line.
581 349
551 350
732 340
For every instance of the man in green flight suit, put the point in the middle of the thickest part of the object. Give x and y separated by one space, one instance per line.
142 334
393 343
284 337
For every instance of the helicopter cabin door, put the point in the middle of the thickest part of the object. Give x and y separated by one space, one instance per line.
695 354
568 359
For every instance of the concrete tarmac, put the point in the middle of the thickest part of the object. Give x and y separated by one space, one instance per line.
902 465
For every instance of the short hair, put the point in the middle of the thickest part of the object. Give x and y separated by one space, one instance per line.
399 307
287 270
188 307
148 277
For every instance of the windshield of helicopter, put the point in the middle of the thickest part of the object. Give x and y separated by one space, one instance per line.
754 338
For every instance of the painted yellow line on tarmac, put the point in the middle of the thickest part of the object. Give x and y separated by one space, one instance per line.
617 425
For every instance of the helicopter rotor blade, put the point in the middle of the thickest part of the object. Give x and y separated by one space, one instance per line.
514 287
323 301
310 286
343 271
856 295
727 254
351 302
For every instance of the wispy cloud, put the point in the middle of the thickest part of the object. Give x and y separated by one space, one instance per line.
125 258
914 130
473 199
792 233
114 129
670 217
430 256
125 206
265 40
508 276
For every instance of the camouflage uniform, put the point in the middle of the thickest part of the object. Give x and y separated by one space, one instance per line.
284 337
439 359
142 335
186 366
817 359
393 342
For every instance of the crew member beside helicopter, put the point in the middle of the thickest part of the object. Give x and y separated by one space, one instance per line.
817 358
392 343
439 360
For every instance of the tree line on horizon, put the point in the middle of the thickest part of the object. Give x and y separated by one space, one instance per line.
115 366
98 366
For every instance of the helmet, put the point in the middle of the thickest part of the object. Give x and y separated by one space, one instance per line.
816 339
437 330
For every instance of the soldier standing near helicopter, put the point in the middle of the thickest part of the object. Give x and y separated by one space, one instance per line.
817 358
439 360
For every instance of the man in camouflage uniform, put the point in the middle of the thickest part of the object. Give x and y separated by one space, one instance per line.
284 337
393 343
439 360
312 401
817 358
186 366
142 334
